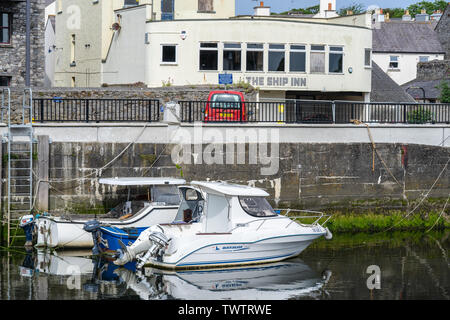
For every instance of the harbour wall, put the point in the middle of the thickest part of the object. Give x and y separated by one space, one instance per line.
343 167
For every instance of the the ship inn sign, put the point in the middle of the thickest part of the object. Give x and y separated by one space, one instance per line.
274 81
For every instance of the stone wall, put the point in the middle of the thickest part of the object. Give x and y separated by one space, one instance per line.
165 94
313 176
443 31
12 57
433 70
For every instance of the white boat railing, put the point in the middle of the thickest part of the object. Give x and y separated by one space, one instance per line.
319 216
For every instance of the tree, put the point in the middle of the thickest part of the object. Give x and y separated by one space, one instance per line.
429 6
356 8
309 10
445 92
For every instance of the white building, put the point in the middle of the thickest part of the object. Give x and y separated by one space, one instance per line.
50 43
285 57
399 45
192 42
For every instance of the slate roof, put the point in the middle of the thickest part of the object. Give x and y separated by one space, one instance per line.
47 2
431 92
384 89
406 37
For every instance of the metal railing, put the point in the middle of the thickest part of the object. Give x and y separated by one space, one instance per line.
314 112
282 111
96 110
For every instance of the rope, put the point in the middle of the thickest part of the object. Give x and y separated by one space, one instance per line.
442 212
358 122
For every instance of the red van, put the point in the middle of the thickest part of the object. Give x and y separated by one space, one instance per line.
225 106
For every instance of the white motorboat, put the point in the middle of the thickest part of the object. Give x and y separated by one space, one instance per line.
222 225
68 231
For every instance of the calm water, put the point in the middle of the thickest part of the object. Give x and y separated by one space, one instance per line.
411 266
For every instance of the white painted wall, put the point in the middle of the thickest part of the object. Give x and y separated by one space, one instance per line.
50 54
407 70
186 71
127 54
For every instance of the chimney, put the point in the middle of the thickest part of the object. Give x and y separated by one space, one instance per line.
327 9
406 16
262 10
378 16
423 16
349 12
436 16
386 16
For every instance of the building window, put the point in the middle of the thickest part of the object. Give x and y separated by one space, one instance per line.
5 81
424 58
205 5
317 59
255 57
336 60
297 58
277 57
168 53
167 9
393 62
72 50
232 57
129 3
5 28
209 54
368 57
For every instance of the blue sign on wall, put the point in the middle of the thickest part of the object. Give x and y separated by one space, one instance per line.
225 78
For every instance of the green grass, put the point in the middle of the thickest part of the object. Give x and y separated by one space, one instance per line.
371 223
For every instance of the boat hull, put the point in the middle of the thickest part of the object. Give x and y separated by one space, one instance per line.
225 254
55 232
110 237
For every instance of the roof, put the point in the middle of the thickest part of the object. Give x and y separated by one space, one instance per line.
141 181
406 37
431 92
385 89
230 189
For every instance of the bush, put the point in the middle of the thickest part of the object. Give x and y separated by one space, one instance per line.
420 116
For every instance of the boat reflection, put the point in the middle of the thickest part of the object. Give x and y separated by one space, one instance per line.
103 279
277 281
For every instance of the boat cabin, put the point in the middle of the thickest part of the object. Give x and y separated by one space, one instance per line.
220 206
160 192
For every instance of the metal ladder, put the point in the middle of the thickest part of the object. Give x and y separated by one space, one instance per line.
20 163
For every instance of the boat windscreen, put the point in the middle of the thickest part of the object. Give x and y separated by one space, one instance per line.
257 206
166 194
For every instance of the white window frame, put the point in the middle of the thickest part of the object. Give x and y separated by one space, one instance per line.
276 50
255 50
295 50
324 51
330 52
397 61
217 49
240 50
162 53
370 57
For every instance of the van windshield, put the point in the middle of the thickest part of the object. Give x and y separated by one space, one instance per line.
257 206
225 101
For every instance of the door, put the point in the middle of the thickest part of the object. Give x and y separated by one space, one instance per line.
217 220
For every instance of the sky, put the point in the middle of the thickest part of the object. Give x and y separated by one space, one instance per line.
244 7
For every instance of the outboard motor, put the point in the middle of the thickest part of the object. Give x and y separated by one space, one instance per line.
93 226
151 242
27 224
